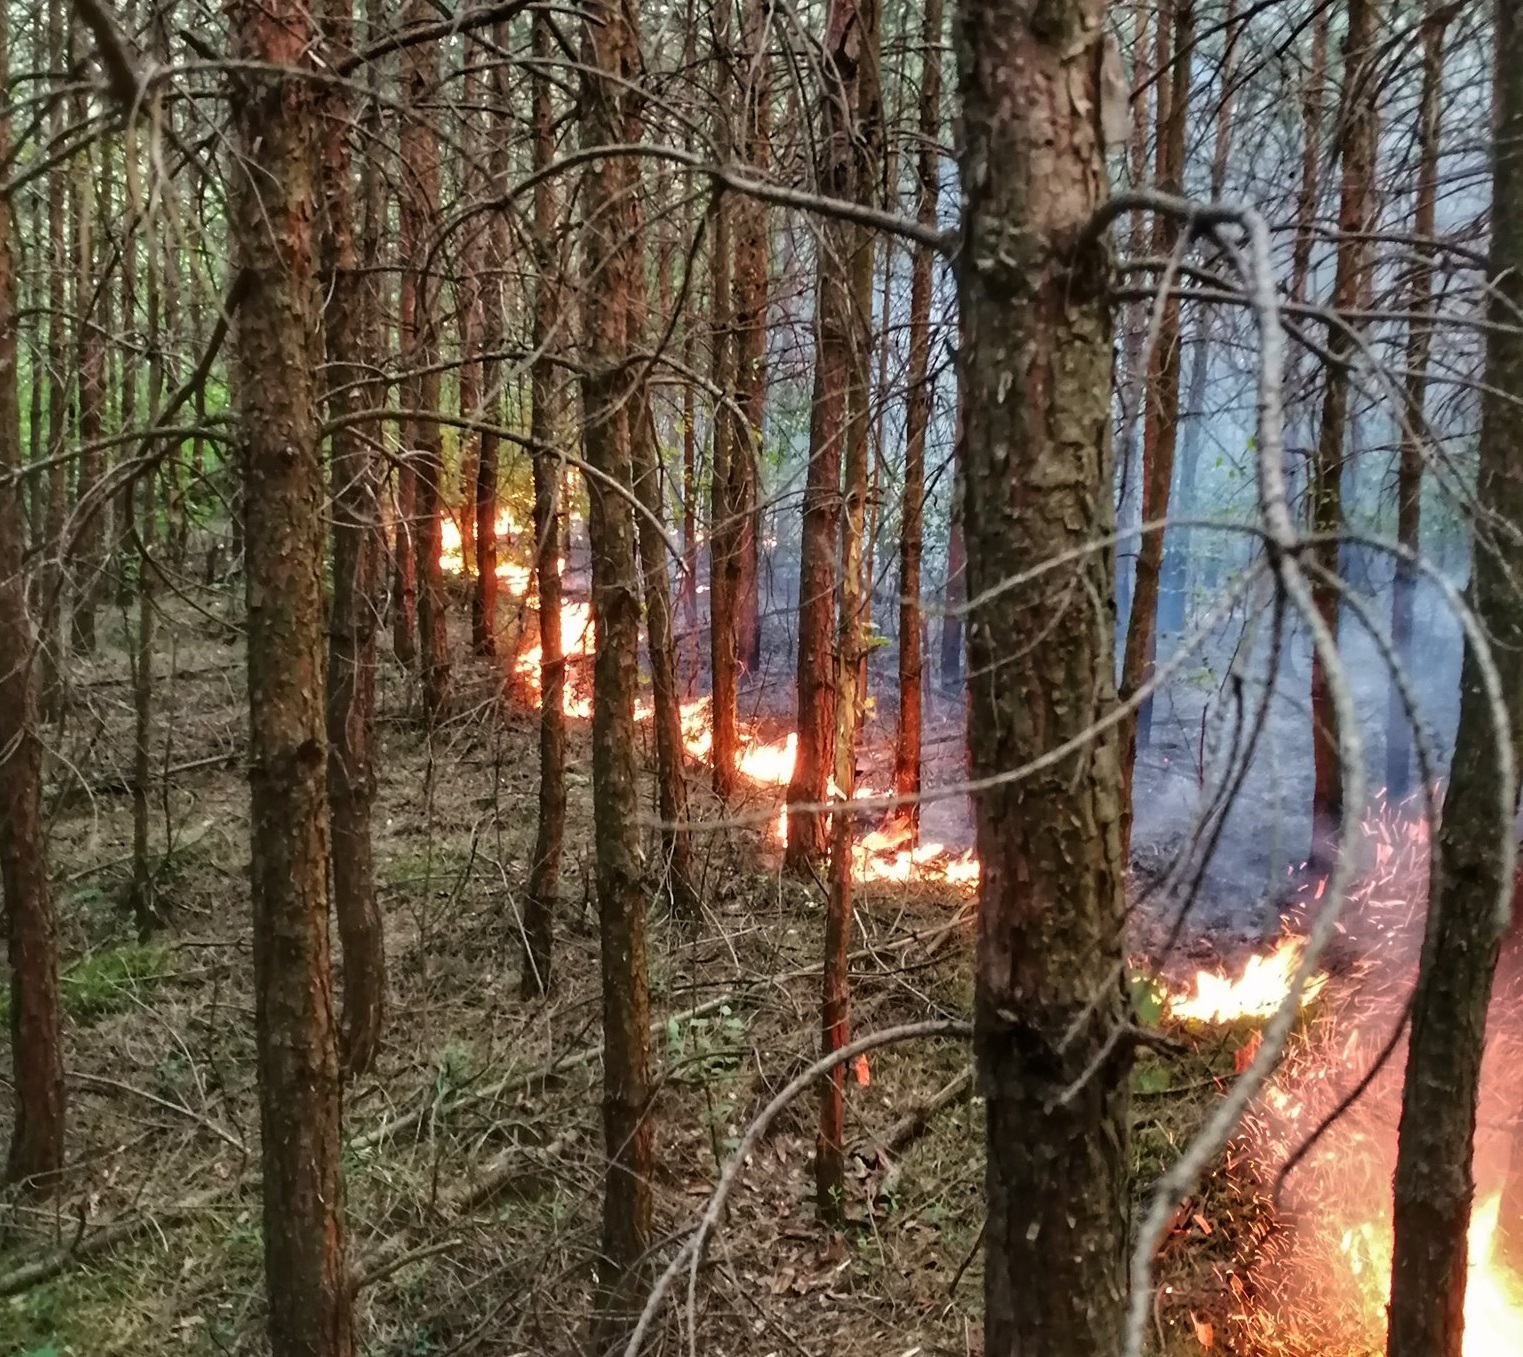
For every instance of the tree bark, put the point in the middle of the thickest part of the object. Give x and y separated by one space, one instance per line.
611 71
420 161
1356 136
544 873
1160 420
1409 473
1036 363
828 424
37 1135
91 356
855 26
1433 1181
275 201
350 711
917 415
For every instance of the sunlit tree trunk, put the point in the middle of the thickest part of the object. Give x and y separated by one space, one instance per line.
1409 474
1356 141
275 203
1434 1185
611 72
917 416
1160 405
1049 987
356 566
37 1135
544 871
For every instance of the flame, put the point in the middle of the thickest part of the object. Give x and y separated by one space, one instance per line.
1257 993
452 549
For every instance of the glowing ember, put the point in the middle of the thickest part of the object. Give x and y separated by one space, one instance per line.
1257 993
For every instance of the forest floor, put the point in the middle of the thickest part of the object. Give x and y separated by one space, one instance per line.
473 1151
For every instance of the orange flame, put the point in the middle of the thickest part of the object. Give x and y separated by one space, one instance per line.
1258 992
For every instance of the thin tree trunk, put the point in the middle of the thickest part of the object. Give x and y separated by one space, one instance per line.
748 320
50 625
1433 1182
1409 475
37 1136
350 711
917 416
545 869
484 593
1049 988
1160 421
420 161
86 543
1356 127
861 93
404 602
611 72
955 592
276 204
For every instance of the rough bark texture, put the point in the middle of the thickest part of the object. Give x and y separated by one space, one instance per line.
276 203
36 1145
835 336
545 870
1036 364
1434 1185
51 576
1356 140
1160 419
611 67
356 567
917 416
1409 473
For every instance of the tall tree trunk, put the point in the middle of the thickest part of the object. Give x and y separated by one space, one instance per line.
611 72
404 600
50 625
1409 475
91 356
420 163
484 591
1434 1184
724 531
671 775
1036 364
829 416
276 204
1160 420
1174 583
748 318
356 566
37 1140
955 592
1307 196
1134 317
545 869
856 24
1356 137
917 416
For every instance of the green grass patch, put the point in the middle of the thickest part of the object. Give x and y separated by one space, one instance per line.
107 981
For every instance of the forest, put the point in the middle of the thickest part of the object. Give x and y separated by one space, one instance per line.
823 677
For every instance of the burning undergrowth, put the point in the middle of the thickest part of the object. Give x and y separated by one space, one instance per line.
1312 1267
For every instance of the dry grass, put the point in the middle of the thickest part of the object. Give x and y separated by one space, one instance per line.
473 1215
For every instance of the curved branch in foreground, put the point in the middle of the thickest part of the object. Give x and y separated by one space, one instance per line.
691 1253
